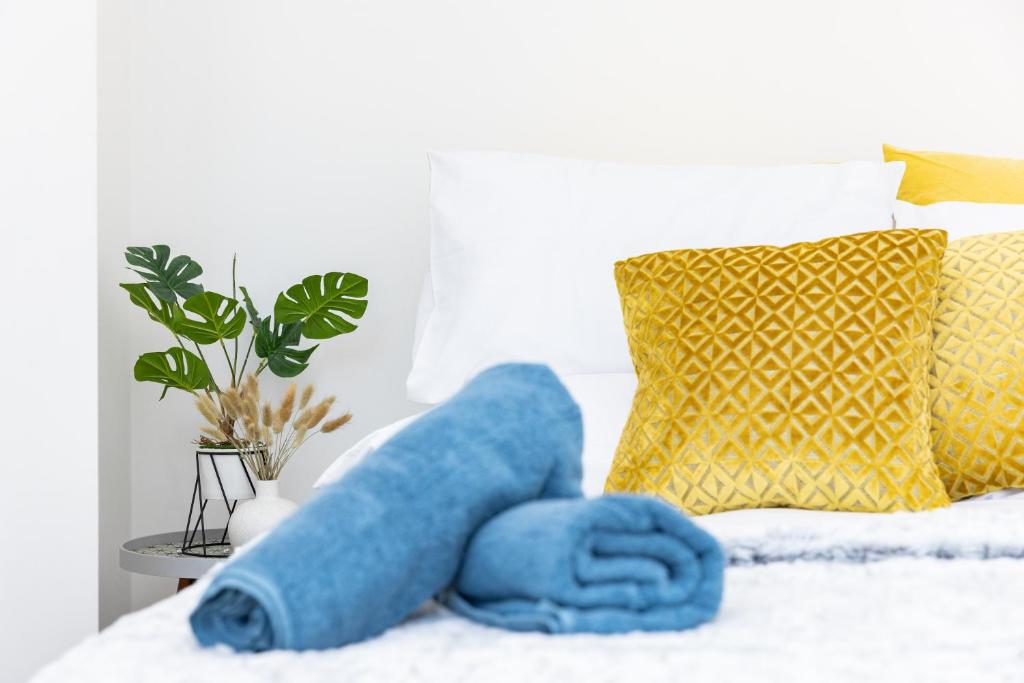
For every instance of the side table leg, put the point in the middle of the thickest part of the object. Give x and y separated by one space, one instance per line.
184 583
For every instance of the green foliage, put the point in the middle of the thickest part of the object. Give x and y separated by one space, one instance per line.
168 278
167 314
320 307
319 302
174 368
276 343
221 318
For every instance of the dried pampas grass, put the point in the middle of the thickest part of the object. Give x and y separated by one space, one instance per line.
337 422
209 410
307 394
269 437
284 412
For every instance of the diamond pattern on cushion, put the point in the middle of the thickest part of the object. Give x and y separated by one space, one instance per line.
783 376
978 374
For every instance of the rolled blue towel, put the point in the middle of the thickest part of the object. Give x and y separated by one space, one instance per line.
389 535
605 565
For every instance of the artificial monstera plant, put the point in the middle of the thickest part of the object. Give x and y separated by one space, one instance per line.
320 307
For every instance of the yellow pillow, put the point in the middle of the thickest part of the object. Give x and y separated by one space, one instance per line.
943 177
783 376
978 374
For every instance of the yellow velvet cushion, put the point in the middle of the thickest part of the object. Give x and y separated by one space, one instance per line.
978 374
783 376
944 177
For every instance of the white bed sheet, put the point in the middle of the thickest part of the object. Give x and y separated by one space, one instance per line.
803 602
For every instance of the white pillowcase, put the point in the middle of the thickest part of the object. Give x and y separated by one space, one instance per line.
961 219
360 450
604 402
523 246
423 309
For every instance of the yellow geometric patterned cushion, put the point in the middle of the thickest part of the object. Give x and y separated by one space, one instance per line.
978 374
783 376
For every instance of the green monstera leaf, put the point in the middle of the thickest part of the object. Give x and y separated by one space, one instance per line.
174 368
319 302
221 318
168 314
168 278
276 343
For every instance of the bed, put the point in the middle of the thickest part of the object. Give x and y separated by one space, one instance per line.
809 596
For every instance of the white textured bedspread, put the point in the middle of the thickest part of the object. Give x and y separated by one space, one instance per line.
933 596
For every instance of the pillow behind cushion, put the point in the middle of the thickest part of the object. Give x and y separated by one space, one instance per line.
961 193
933 177
520 247
978 371
783 376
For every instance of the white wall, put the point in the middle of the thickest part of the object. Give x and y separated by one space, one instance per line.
48 556
294 133
115 490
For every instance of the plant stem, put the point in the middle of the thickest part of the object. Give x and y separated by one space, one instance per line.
234 295
245 361
200 351
262 366
180 343
231 367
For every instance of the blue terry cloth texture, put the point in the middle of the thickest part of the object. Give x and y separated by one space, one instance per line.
390 534
604 565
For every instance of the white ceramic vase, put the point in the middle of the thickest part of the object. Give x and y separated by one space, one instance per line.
262 513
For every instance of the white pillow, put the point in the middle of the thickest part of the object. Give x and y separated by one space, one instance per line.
604 402
423 309
523 246
362 448
961 219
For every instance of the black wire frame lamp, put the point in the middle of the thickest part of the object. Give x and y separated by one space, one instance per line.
210 547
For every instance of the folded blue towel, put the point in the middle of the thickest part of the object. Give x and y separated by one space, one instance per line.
605 565
390 534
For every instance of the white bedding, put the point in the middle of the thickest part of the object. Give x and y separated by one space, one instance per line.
803 602
522 247
604 401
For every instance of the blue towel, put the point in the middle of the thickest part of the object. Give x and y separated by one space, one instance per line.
605 565
389 535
